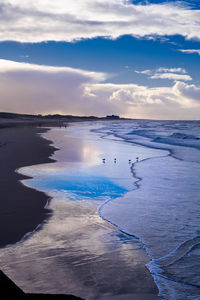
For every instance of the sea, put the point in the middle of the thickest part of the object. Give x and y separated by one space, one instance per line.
124 199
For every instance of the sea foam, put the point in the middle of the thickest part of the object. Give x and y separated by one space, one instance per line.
164 210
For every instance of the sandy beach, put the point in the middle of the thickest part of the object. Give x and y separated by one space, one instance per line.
22 208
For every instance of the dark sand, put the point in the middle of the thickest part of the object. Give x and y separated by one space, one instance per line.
21 208
9 290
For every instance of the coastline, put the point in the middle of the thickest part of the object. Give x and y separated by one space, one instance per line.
36 150
22 208
144 271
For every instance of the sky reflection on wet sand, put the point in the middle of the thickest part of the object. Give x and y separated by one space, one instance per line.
76 251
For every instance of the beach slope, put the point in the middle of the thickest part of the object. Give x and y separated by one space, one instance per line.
22 208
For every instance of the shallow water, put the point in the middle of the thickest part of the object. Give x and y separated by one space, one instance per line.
76 251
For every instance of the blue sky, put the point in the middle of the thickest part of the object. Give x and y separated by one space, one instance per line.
138 59
120 57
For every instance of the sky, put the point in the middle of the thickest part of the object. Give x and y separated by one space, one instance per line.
136 59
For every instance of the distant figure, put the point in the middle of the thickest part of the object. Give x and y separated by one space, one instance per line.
137 159
115 160
103 160
129 161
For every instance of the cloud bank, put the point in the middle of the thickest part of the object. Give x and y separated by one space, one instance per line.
30 88
61 20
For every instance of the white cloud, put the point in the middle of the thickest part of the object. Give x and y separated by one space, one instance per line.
146 72
171 76
12 66
190 51
30 88
61 20
190 92
35 88
131 100
171 70
167 73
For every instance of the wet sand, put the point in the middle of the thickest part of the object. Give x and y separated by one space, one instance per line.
22 208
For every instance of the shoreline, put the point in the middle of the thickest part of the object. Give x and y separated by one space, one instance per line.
22 208
151 296
36 150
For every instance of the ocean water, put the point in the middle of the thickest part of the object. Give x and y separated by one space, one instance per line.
164 212
150 193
